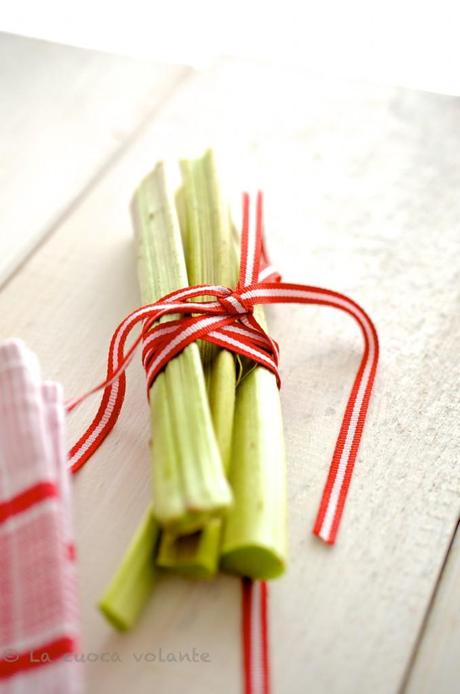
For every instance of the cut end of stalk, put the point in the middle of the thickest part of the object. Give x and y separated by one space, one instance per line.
193 556
191 522
254 561
116 619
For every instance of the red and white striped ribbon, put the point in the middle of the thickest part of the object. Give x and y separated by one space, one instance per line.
226 319
254 636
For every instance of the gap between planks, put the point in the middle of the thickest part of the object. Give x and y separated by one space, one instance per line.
409 680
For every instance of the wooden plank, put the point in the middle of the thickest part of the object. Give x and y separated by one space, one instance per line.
437 664
361 186
64 114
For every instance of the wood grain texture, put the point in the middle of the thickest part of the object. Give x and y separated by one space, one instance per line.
437 664
361 186
64 113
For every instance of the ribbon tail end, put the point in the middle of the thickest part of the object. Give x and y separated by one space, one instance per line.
327 538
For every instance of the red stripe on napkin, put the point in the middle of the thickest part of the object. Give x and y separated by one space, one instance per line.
22 501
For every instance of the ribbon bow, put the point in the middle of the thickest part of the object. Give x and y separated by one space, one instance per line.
226 319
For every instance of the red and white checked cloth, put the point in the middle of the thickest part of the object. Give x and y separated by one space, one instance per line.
39 616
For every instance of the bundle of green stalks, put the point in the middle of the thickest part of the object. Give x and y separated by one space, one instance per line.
218 460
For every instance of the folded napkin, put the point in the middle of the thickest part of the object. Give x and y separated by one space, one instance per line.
39 619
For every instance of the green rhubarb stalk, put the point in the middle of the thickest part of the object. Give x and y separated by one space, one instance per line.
211 258
132 585
197 555
189 482
254 539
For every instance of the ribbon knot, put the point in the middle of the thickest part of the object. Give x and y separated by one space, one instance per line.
235 305
227 323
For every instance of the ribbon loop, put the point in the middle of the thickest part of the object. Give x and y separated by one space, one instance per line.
251 243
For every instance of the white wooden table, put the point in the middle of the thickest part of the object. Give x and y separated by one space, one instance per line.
361 184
